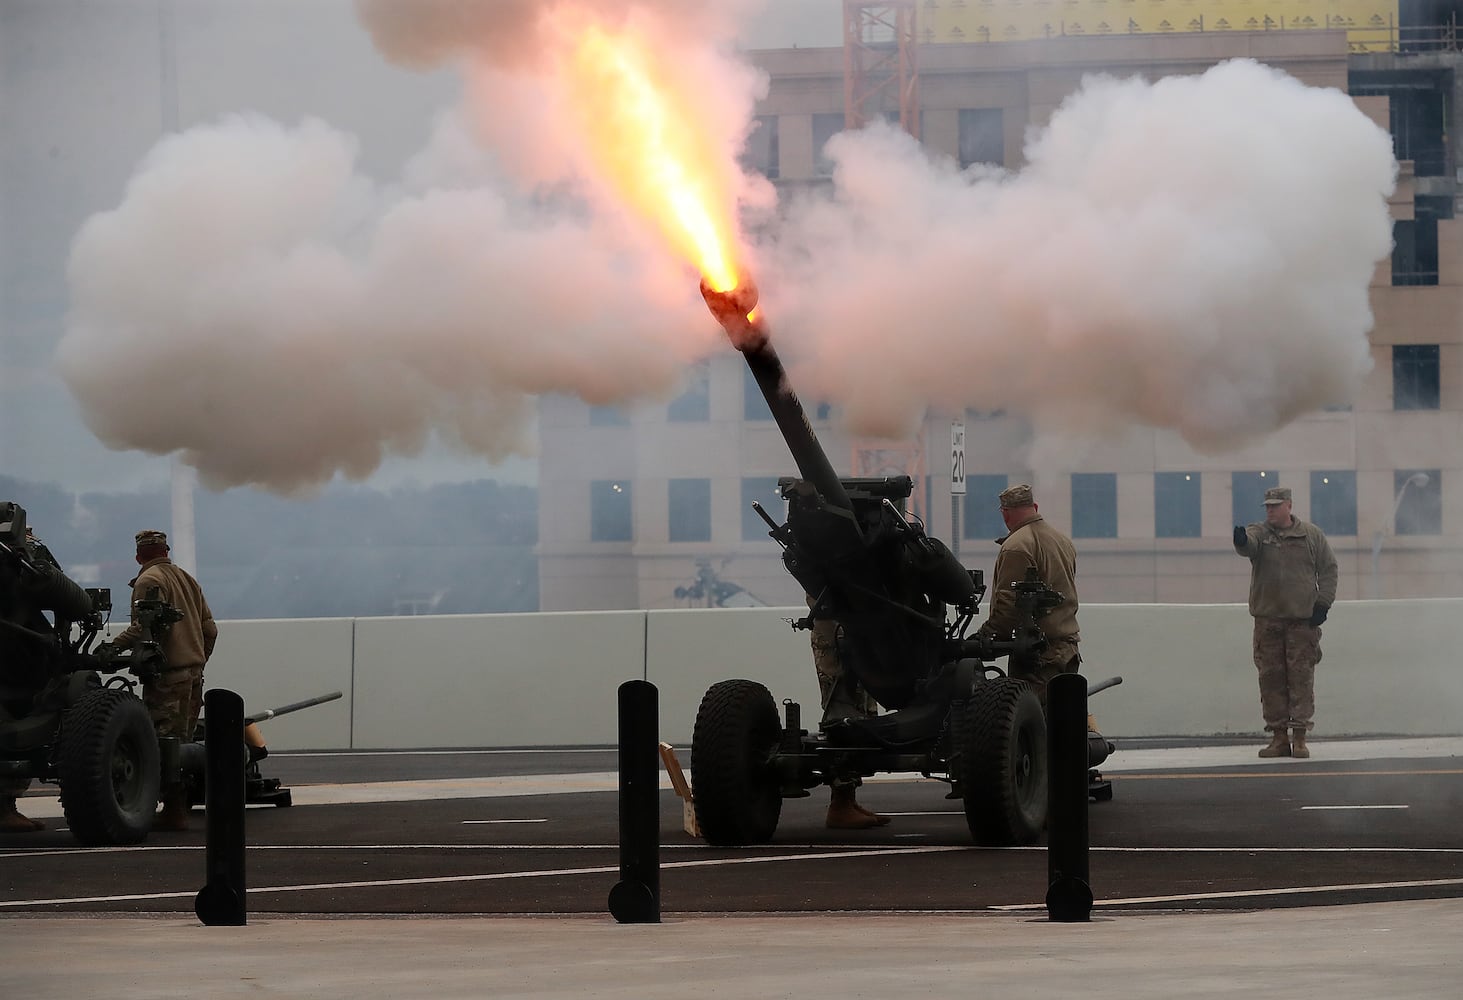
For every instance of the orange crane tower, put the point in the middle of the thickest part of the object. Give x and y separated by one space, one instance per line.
880 78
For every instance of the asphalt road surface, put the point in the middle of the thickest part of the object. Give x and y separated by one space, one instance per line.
536 832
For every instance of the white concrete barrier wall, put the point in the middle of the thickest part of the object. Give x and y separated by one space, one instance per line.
494 680
274 663
689 650
551 679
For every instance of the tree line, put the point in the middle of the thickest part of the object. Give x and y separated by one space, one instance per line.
352 551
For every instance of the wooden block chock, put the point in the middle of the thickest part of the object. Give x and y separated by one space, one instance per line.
682 787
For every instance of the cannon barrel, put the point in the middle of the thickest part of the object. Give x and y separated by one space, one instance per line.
734 309
294 706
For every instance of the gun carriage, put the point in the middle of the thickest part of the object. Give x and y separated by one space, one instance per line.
903 606
60 723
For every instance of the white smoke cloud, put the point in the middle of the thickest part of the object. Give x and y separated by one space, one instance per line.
261 307
1192 253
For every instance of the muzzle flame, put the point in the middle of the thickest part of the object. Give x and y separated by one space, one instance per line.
654 148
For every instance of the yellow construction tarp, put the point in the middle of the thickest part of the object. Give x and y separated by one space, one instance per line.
1370 24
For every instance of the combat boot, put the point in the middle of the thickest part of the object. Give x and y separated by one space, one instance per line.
844 812
12 821
1298 746
1279 746
173 817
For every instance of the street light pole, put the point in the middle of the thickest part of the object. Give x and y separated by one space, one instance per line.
1418 479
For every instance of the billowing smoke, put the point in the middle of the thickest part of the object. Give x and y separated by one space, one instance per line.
261 307
258 305
1191 254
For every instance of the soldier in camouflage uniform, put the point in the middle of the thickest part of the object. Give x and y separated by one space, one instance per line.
1034 544
841 697
1292 587
175 696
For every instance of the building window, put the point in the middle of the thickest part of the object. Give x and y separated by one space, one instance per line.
1418 501
1247 492
690 510
694 404
610 517
1333 501
982 512
1418 104
1094 505
825 127
608 416
762 489
982 137
754 404
1415 381
761 153
1176 505
1415 251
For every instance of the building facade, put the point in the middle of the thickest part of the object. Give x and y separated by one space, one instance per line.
650 507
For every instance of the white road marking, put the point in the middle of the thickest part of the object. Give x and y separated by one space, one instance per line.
1353 807
493 877
1236 755
85 852
942 812
1243 893
482 822
310 754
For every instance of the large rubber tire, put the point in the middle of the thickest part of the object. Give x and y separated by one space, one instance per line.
107 764
734 781
1004 764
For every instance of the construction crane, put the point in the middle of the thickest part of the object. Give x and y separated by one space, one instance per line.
880 64
881 76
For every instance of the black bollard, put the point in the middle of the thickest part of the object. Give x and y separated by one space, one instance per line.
1068 894
635 899
221 900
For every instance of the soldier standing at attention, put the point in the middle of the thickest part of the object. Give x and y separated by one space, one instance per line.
174 696
1034 544
1292 588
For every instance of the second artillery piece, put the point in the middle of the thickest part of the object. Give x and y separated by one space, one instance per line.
890 588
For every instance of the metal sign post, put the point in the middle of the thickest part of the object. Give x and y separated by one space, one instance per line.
957 482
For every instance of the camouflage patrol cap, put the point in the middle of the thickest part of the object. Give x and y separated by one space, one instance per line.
146 539
1277 494
1017 496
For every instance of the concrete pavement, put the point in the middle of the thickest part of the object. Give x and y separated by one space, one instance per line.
1363 952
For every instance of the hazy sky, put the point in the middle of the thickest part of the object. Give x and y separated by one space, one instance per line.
87 90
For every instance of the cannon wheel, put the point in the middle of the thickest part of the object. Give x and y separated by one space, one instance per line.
107 766
1004 764
734 783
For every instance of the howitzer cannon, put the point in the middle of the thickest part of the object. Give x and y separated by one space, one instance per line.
61 724
58 722
258 790
185 762
889 588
